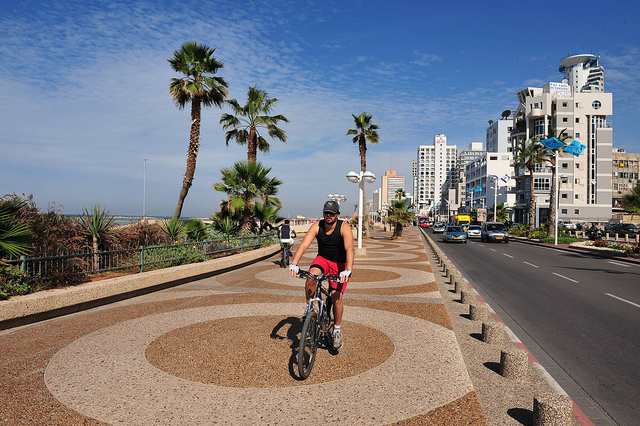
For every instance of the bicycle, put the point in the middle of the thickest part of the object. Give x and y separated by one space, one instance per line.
286 253
318 325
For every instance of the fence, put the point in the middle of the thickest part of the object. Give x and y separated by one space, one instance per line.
88 262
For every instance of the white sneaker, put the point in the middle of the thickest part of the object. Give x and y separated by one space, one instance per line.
338 342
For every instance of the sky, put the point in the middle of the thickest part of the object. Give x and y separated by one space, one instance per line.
86 117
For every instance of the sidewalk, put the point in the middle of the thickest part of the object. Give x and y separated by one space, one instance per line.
222 350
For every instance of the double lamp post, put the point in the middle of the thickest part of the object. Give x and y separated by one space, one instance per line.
360 178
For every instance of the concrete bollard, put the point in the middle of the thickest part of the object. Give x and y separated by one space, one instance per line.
492 332
552 410
514 363
455 276
467 296
479 311
460 285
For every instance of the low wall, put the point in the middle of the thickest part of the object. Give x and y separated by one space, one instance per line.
20 310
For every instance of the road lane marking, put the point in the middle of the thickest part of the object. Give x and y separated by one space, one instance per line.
566 278
624 300
508 255
619 264
531 264
492 249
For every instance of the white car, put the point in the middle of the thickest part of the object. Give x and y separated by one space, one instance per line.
566 224
474 231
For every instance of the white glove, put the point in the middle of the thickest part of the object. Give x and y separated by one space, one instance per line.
294 268
345 274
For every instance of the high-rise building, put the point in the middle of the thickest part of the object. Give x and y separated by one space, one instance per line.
579 107
435 165
499 135
467 156
625 175
391 182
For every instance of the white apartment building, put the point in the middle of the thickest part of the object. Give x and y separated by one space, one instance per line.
499 135
466 157
580 107
435 164
485 172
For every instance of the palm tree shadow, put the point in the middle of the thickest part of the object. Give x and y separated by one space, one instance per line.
293 335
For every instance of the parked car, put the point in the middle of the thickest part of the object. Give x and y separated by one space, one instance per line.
474 231
454 234
566 224
438 228
494 231
627 227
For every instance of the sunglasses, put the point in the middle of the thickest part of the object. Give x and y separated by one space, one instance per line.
330 214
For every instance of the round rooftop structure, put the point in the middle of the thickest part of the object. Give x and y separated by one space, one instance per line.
576 59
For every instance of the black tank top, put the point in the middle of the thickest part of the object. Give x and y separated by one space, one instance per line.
285 232
331 246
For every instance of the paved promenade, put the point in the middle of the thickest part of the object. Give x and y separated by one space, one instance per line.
222 350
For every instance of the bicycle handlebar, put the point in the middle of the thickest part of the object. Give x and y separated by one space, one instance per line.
321 277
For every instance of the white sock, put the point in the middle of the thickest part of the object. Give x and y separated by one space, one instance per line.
336 327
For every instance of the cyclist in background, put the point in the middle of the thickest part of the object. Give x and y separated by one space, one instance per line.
286 234
335 256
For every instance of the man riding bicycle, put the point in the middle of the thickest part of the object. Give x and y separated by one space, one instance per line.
335 256
286 234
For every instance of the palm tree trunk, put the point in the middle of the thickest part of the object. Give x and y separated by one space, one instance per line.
194 146
532 204
551 231
363 167
252 146
96 258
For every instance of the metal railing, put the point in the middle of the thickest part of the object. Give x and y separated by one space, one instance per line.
137 259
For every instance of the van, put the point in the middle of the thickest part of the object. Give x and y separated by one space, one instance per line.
494 231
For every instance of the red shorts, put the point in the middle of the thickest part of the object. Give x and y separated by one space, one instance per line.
329 267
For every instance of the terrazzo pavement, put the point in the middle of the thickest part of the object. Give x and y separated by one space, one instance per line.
221 350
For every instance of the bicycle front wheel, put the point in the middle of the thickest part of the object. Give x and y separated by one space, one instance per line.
308 345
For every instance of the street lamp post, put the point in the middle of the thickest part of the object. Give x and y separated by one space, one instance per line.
360 178
337 198
495 195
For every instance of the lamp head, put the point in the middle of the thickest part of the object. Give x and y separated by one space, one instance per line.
368 177
353 177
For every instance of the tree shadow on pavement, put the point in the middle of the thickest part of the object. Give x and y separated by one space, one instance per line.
521 415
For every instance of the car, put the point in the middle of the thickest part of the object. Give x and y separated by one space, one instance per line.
566 224
454 234
494 231
438 228
627 227
474 231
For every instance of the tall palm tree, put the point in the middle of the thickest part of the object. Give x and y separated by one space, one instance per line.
399 194
364 132
551 230
528 155
244 184
200 87
249 118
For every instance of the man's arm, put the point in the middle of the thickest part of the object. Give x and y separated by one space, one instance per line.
306 242
347 237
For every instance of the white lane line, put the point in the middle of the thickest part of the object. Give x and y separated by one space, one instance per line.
566 278
492 249
624 300
508 255
531 264
619 264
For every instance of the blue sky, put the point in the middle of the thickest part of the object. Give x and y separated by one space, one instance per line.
84 88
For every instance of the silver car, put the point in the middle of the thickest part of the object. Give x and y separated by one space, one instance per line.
494 231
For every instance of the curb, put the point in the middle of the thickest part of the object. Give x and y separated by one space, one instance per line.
468 295
30 308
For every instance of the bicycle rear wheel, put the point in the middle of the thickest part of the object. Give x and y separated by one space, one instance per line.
308 344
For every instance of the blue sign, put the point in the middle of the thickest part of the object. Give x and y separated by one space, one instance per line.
575 148
552 143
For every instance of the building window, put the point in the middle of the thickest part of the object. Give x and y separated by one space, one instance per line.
577 119
538 127
564 211
541 184
565 119
596 104
577 197
564 196
565 165
576 211
577 135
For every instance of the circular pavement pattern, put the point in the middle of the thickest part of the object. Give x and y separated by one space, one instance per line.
106 375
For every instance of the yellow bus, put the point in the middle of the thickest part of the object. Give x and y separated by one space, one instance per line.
462 220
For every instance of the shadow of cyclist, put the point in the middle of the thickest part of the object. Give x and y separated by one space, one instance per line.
293 335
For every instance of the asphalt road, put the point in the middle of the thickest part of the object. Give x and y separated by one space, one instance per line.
579 315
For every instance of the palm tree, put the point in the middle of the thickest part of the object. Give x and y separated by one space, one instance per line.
502 212
631 201
200 87
551 231
98 225
244 184
400 215
14 235
172 228
364 132
399 194
248 119
265 216
528 155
